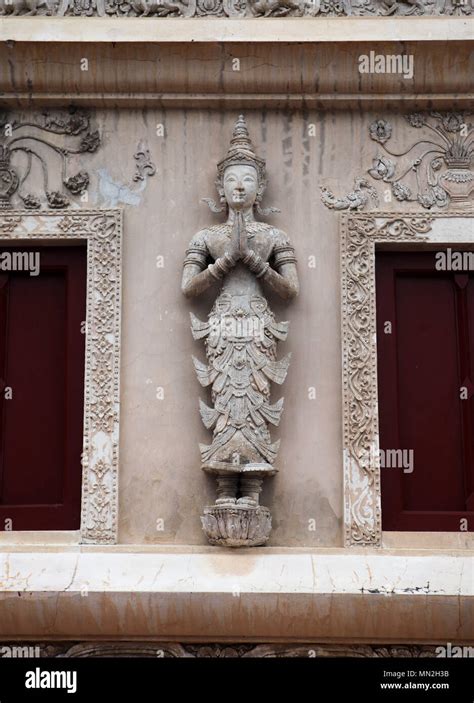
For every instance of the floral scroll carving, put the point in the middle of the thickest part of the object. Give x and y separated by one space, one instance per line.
73 650
26 144
102 231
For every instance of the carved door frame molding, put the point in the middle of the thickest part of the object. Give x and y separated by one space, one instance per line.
360 235
102 230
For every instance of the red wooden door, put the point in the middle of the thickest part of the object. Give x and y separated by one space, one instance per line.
42 361
423 366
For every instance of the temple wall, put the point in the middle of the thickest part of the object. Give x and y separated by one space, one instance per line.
308 111
160 477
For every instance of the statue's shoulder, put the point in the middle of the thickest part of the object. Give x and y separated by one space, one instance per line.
220 228
270 230
280 238
199 240
203 237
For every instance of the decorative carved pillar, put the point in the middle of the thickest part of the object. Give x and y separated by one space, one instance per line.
243 256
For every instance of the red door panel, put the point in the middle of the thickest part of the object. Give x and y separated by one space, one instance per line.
422 366
42 360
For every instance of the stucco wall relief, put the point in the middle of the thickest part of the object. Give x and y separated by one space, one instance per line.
433 170
234 8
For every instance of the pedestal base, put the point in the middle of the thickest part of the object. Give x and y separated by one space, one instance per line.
236 525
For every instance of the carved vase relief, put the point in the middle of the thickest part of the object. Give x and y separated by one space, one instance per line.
436 168
433 171
242 256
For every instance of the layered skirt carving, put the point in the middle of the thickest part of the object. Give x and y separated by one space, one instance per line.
240 336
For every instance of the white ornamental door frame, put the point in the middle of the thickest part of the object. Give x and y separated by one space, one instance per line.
102 230
360 235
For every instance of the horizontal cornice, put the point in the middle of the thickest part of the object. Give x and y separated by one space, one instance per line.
203 75
252 595
169 30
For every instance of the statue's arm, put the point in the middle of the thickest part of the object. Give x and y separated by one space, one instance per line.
198 274
284 281
280 273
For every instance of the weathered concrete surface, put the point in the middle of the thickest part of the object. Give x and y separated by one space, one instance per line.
253 595
303 75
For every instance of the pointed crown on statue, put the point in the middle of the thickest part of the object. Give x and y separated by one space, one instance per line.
241 151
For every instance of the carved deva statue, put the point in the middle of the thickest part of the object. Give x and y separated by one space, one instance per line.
242 257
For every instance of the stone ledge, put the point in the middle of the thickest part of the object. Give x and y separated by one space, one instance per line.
225 596
274 30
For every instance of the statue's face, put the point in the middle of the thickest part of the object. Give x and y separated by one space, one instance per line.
240 186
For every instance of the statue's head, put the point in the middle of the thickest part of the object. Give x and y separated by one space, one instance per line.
241 179
240 185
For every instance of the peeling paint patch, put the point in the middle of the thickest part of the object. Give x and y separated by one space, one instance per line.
113 193
390 590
